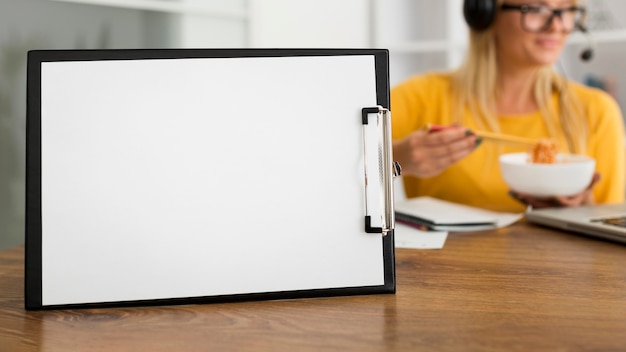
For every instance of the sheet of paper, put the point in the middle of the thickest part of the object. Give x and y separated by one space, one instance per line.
151 223
506 219
410 237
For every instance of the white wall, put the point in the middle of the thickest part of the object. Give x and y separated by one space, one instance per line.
203 30
312 24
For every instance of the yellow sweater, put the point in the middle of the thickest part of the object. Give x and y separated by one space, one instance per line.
476 180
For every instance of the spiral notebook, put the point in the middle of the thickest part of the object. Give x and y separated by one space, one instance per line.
432 214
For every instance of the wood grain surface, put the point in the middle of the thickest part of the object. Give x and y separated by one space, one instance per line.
522 288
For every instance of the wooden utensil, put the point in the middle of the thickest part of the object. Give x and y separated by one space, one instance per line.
504 138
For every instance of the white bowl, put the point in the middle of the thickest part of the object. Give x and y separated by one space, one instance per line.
570 175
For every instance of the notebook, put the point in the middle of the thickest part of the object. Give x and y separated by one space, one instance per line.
432 214
607 221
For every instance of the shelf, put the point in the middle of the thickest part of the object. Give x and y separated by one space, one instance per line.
603 36
420 46
440 46
171 6
425 46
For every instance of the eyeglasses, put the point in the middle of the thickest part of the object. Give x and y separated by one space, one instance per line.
538 18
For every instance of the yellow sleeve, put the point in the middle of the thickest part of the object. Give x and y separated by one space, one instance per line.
418 101
405 106
607 145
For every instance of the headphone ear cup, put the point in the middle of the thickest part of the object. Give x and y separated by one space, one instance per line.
479 14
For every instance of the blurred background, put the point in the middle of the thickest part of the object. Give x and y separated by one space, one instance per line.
421 35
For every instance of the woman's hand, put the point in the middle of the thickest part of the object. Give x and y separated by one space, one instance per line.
583 198
428 152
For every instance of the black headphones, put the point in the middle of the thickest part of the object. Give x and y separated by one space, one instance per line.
479 14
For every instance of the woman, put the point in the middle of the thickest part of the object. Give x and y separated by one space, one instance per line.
507 84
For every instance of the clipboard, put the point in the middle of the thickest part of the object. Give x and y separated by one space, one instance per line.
183 176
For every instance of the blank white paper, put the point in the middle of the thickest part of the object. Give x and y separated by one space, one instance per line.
199 177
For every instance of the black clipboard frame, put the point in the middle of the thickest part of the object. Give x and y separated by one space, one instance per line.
33 223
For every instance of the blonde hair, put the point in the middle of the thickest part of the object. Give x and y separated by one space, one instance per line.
474 85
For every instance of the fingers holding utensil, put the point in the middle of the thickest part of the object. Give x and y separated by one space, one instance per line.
429 151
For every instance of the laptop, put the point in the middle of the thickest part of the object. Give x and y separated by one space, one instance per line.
606 221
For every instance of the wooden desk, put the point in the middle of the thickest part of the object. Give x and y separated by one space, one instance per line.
521 288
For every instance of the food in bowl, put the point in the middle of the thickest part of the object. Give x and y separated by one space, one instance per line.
569 174
544 152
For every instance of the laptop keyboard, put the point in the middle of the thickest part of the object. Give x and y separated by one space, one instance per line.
619 221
